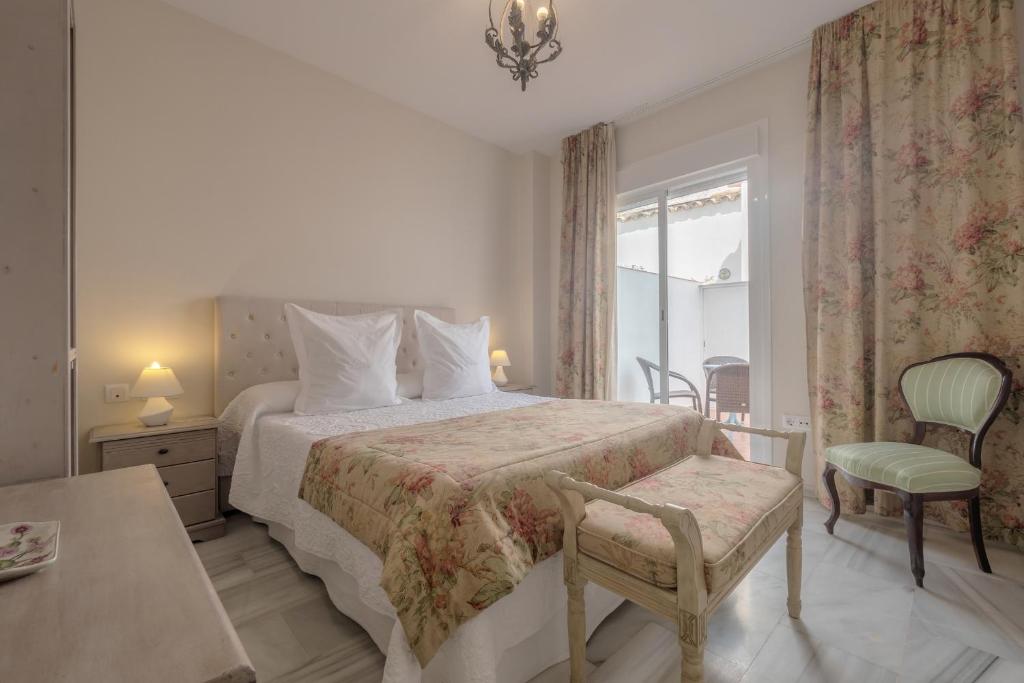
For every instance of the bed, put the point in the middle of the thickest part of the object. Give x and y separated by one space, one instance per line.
513 638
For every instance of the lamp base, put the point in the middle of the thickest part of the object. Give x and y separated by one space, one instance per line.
499 377
156 412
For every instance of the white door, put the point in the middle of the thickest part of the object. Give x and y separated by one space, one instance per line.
684 273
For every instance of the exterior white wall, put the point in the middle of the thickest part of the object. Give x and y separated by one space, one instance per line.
638 331
699 241
725 308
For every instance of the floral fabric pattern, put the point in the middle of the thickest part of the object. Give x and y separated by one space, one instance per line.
739 506
913 245
458 510
584 366
24 544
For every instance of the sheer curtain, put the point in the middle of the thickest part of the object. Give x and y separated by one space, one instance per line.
913 244
585 365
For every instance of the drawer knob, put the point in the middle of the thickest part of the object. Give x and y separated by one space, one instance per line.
167 483
163 451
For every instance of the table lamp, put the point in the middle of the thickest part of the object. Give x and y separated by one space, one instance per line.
499 359
155 384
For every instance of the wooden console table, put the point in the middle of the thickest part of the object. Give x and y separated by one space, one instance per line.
126 600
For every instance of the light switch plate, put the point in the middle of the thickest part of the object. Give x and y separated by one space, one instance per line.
115 393
796 422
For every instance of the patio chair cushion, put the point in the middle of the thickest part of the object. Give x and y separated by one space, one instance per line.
739 506
908 467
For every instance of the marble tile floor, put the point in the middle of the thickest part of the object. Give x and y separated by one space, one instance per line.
863 620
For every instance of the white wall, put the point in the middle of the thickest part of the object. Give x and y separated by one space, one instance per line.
533 276
209 164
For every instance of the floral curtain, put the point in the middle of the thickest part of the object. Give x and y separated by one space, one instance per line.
586 303
913 245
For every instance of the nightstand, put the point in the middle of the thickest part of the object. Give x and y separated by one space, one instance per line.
185 454
518 388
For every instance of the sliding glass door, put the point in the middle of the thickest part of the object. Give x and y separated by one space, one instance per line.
683 318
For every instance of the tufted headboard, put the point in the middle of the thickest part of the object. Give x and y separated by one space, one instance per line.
252 344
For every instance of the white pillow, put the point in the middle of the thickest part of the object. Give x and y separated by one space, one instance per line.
345 362
455 358
410 384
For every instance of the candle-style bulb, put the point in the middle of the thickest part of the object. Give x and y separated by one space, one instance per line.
542 13
520 4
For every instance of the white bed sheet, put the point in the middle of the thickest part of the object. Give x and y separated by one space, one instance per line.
510 642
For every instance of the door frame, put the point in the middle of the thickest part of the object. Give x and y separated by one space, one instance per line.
738 150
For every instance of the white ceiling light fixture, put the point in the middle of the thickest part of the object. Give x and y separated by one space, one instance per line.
510 37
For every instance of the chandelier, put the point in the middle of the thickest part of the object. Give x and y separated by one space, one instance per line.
510 37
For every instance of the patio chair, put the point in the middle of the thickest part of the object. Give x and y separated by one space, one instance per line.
966 391
650 369
730 385
710 365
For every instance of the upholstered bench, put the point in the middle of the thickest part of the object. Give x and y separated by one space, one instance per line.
678 541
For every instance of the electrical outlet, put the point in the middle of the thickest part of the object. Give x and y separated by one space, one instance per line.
797 422
115 393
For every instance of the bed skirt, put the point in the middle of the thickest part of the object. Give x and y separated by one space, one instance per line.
483 650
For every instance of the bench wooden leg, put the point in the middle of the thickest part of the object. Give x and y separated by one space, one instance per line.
794 564
577 631
693 662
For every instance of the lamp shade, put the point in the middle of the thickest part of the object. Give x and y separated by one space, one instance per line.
499 358
156 381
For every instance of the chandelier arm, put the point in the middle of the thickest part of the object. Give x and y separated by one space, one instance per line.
557 50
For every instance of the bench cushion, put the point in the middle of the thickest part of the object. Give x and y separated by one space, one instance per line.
910 468
739 506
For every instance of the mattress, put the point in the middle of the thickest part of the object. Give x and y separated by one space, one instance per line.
513 640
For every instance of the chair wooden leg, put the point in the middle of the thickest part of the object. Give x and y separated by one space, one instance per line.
913 515
794 562
829 477
974 513
693 662
577 632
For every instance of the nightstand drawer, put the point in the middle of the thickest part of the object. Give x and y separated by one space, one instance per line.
196 507
191 477
160 450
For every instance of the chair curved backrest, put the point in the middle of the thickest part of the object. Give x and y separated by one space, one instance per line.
649 369
731 384
962 390
714 361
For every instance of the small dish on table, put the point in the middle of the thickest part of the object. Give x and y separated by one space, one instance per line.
27 547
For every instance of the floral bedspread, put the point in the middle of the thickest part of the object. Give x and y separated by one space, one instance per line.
458 510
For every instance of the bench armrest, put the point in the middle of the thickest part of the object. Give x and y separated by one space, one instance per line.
794 441
679 521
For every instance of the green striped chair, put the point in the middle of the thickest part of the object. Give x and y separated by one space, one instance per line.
962 390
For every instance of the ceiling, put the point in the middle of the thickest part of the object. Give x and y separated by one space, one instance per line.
619 55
